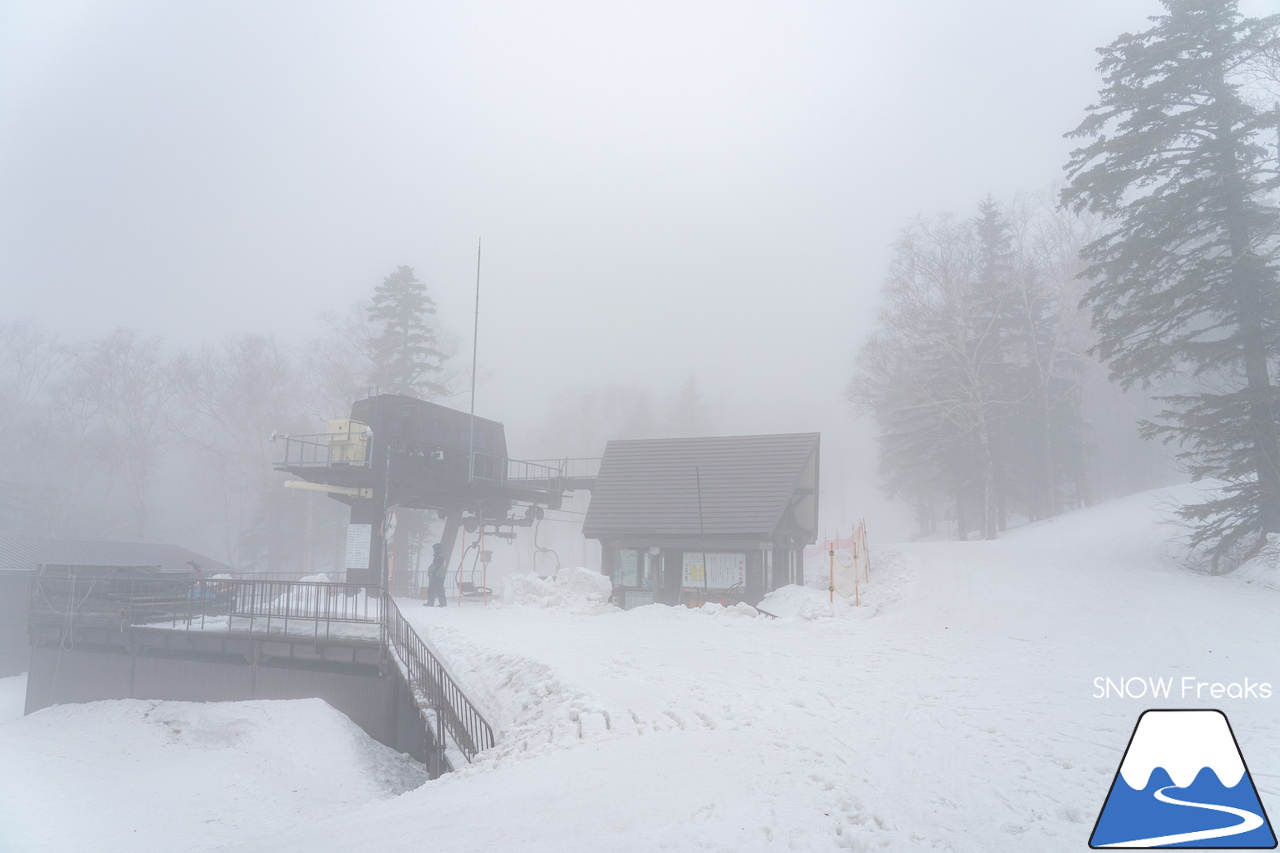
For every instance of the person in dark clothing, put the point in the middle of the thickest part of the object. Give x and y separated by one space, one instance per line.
435 577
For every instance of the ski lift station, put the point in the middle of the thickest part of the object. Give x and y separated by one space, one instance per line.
679 521
397 451
688 520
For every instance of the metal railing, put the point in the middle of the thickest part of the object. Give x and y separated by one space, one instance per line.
321 450
272 606
99 599
440 461
292 608
434 688
95 599
580 468
532 475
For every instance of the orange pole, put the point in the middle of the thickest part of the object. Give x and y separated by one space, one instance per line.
463 532
484 570
831 574
865 553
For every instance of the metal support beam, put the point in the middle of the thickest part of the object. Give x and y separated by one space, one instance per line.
350 491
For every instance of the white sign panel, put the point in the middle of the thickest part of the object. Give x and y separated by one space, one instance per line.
725 570
358 545
627 561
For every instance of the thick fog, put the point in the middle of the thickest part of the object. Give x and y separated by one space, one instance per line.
664 190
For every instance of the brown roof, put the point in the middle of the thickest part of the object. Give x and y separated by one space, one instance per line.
751 486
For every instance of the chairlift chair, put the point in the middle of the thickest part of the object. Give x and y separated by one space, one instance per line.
469 588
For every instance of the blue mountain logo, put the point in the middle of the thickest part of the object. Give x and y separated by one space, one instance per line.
1183 783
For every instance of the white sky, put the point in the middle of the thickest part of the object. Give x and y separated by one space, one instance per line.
661 187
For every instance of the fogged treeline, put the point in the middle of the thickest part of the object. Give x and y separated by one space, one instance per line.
586 419
991 411
127 437
130 438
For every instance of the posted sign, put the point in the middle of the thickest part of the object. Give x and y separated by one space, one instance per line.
358 545
724 570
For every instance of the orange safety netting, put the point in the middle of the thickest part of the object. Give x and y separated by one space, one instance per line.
848 556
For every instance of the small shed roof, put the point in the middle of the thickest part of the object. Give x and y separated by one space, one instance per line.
753 487
26 555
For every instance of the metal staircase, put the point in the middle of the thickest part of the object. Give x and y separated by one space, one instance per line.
439 698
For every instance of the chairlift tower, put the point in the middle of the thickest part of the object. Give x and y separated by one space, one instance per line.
399 451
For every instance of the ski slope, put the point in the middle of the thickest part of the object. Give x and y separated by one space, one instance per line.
954 710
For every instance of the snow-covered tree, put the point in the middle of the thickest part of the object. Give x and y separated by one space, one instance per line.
1186 277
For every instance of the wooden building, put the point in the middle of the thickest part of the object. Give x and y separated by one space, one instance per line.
749 503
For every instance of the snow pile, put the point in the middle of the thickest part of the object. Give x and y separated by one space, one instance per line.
814 601
577 590
798 602
531 707
184 775
741 608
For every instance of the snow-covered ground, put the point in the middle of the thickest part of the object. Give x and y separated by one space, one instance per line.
134 775
954 710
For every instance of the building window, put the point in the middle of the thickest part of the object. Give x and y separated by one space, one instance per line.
723 570
625 573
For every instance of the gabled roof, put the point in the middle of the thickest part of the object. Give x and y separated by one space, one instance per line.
25 555
751 487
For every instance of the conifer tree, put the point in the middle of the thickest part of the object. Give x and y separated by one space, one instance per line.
688 414
408 359
1185 278
404 347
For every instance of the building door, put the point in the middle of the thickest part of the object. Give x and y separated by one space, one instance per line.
669 562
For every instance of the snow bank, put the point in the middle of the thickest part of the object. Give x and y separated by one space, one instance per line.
577 590
1264 569
797 602
134 775
715 609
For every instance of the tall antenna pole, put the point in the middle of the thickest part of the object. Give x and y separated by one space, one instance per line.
702 533
475 338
